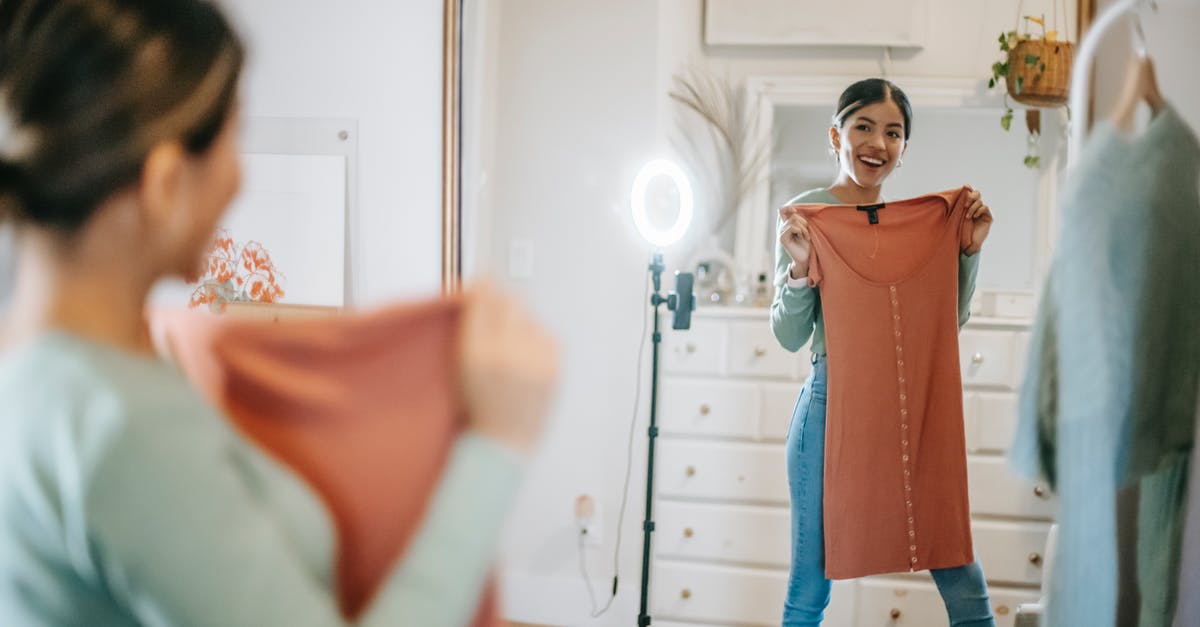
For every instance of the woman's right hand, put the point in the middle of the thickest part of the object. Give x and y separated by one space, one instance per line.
508 368
793 235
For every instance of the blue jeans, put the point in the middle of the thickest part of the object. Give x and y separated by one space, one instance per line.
963 588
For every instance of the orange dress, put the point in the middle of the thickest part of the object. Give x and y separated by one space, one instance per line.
363 407
895 454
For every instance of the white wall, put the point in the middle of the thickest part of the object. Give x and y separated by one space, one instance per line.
380 63
578 103
573 118
1171 41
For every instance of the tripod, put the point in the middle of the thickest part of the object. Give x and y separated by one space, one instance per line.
682 302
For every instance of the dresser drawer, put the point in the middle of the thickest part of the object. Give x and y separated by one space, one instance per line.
991 421
778 404
711 407
899 603
994 489
730 472
731 595
750 535
987 358
1010 551
895 603
754 352
701 349
1005 602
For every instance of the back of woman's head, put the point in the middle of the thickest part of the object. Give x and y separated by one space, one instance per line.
89 87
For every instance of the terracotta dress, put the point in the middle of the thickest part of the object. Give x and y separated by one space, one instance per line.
363 407
895 455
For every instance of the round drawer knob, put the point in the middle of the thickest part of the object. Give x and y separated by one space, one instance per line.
895 613
759 351
977 358
1039 492
691 348
1002 610
1035 559
685 594
690 471
687 533
705 410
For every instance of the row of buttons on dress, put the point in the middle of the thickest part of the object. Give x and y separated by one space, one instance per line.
912 532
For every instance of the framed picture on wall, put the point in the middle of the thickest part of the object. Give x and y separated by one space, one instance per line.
284 239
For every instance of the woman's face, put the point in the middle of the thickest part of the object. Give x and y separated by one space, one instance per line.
216 178
870 143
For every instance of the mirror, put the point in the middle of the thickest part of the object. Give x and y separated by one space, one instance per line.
563 105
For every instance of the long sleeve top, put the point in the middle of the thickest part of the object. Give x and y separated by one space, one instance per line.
126 500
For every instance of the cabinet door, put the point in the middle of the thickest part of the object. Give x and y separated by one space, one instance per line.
986 358
778 403
734 596
1010 551
709 407
991 421
747 535
995 490
899 603
1005 602
754 352
698 350
754 473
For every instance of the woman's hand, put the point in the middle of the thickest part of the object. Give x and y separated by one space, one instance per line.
981 217
508 368
793 234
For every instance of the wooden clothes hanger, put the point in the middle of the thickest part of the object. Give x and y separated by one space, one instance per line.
1141 85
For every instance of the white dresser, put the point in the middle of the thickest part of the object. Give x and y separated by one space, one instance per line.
722 543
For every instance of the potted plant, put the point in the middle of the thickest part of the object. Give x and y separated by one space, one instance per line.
1036 71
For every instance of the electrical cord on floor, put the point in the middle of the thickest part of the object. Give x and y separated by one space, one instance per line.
637 399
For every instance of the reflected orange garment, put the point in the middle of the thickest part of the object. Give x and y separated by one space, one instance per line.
362 407
895 453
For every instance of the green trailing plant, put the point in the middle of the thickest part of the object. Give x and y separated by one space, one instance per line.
1001 72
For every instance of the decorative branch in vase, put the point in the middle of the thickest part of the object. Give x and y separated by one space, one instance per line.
237 274
731 151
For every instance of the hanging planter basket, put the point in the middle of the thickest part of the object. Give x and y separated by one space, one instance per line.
1036 71
1039 72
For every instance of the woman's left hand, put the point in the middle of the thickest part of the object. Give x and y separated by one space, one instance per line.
981 217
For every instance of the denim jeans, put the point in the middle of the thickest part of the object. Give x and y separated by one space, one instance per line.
963 588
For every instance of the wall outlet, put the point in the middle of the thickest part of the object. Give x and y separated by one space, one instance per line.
588 520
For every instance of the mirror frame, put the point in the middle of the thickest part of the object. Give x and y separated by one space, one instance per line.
452 22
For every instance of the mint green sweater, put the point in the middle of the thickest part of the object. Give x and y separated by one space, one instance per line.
796 313
126 500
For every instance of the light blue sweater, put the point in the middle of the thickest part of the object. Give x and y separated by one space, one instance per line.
125 500
1110 391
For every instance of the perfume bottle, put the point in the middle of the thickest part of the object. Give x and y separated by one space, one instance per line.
762 291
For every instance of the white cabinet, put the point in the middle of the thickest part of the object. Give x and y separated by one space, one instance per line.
754 352
709 407
722 543
722 471
699 350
